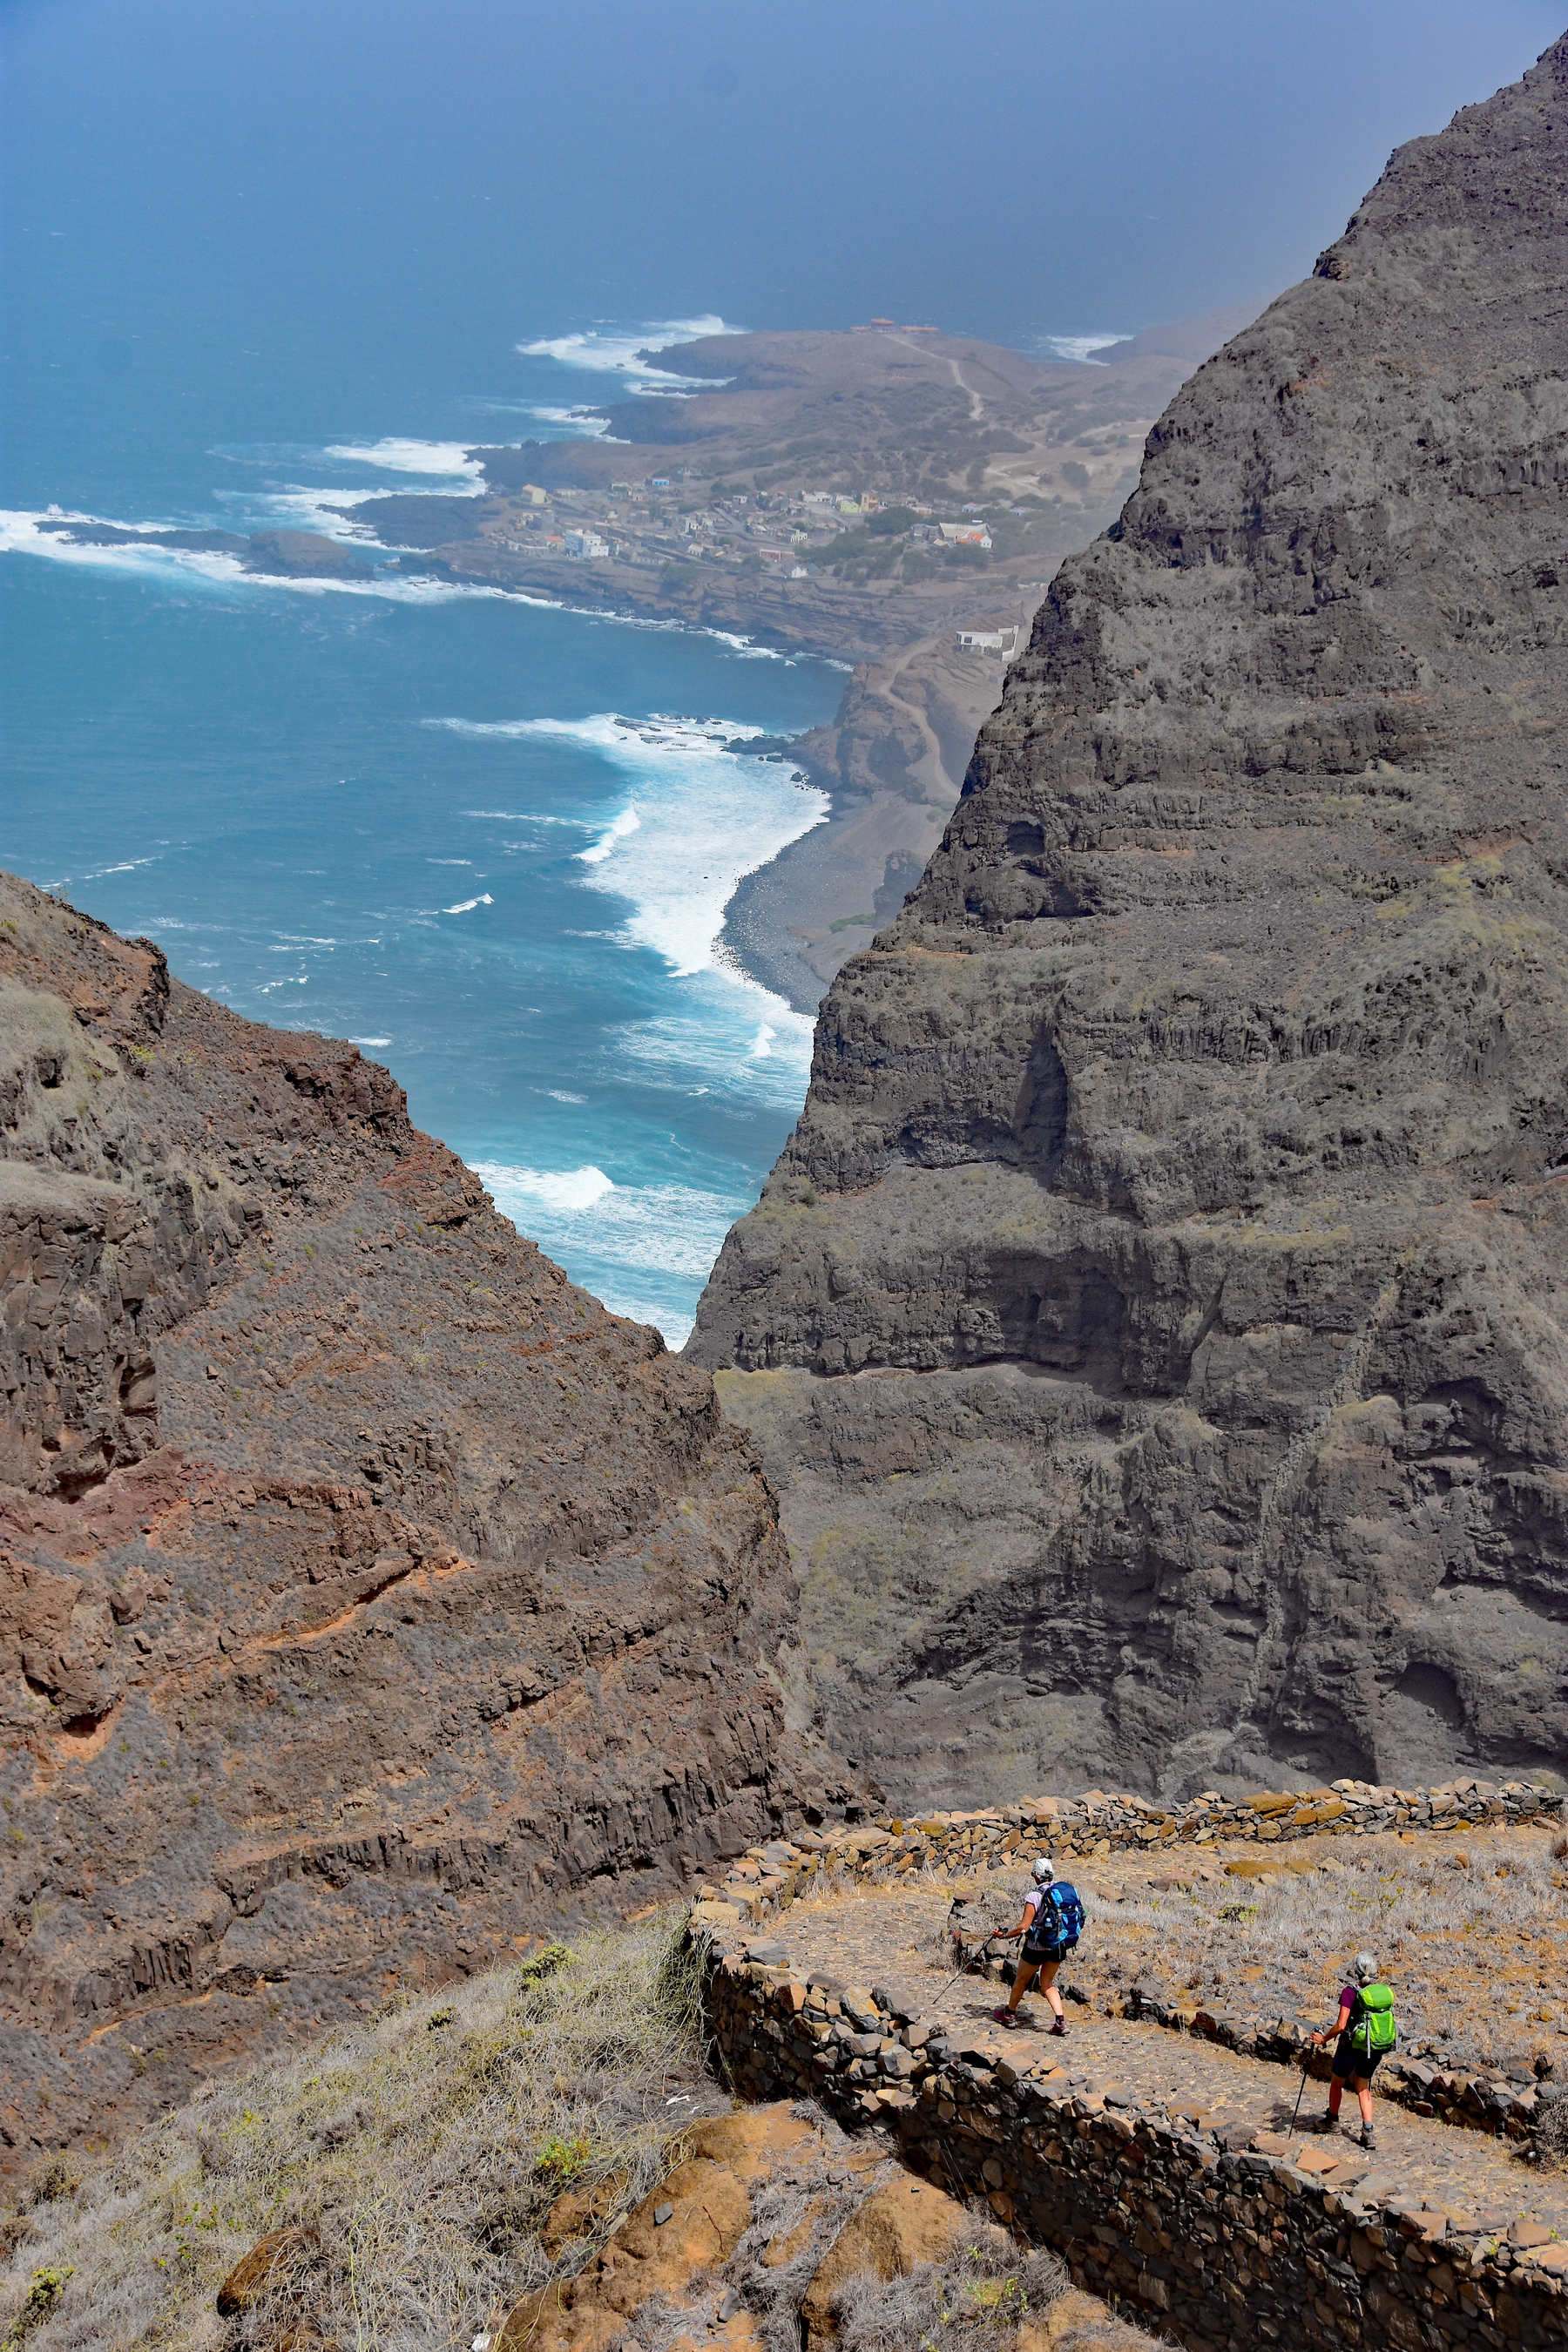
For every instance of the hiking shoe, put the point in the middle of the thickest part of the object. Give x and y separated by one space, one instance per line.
1006 2016
1060 2026
1368 2136
1327 2124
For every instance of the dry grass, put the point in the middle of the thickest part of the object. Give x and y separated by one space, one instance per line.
425 2147
974 2303
978 2300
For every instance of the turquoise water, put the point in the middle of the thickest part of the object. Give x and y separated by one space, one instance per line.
490 840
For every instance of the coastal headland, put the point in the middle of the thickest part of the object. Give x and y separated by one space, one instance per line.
876 496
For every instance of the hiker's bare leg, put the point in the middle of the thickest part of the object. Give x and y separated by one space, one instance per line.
1022 1977
1048 1986
1363 2093
1336 2092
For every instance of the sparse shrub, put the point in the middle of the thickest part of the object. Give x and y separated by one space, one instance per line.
55 2177
544 1964
562 2161
1551 2132
974 2303
43 2295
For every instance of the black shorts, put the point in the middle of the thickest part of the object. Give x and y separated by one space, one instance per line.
1350 2062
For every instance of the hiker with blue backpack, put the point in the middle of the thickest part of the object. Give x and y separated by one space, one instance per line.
1052 1923
1366 2034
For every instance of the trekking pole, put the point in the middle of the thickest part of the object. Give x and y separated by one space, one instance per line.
1301 2095
961 1970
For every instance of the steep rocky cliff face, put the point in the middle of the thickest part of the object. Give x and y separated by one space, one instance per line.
369 1597
1157 1325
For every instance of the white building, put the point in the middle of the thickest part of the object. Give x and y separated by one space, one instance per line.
989 641
586 543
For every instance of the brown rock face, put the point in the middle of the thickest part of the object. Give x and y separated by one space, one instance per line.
369 1596
1156 1325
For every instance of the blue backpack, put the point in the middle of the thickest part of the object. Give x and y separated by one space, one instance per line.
1057 1924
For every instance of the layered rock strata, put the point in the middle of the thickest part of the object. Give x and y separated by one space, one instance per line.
1156 1327
370 1597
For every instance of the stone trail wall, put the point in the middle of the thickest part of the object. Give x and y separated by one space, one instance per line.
1226 2251
763 1882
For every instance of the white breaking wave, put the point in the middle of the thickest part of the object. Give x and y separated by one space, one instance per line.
627 822
126 865
702 817
298 509
22 533
370 1041
1083 346
467 906
585 423
566 1192
397 456
619 1235
611 349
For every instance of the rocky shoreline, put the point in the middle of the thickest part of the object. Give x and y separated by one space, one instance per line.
798 504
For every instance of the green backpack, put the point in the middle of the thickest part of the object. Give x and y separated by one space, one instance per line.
1372 2029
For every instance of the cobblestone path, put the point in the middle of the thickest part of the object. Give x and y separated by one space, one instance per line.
893 1937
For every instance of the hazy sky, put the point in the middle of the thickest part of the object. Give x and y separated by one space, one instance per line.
1010 168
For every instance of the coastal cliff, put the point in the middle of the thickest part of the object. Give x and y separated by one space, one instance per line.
1156 1328
372 1599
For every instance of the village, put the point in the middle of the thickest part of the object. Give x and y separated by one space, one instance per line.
678 519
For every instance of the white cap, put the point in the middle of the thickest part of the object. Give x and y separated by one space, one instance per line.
1043 1870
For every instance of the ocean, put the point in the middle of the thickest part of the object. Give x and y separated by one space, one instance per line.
488 838
258 256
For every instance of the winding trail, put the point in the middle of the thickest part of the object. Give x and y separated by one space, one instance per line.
976 405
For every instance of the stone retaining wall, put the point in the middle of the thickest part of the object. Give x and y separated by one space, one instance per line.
1488 2103
1096 1825
1224 2250
763 1882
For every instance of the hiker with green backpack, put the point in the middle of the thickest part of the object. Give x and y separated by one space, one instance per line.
1366 2034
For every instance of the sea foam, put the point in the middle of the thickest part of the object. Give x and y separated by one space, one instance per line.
618 1235
1082 348
23 533
609 349
701 817
395 455
580 424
